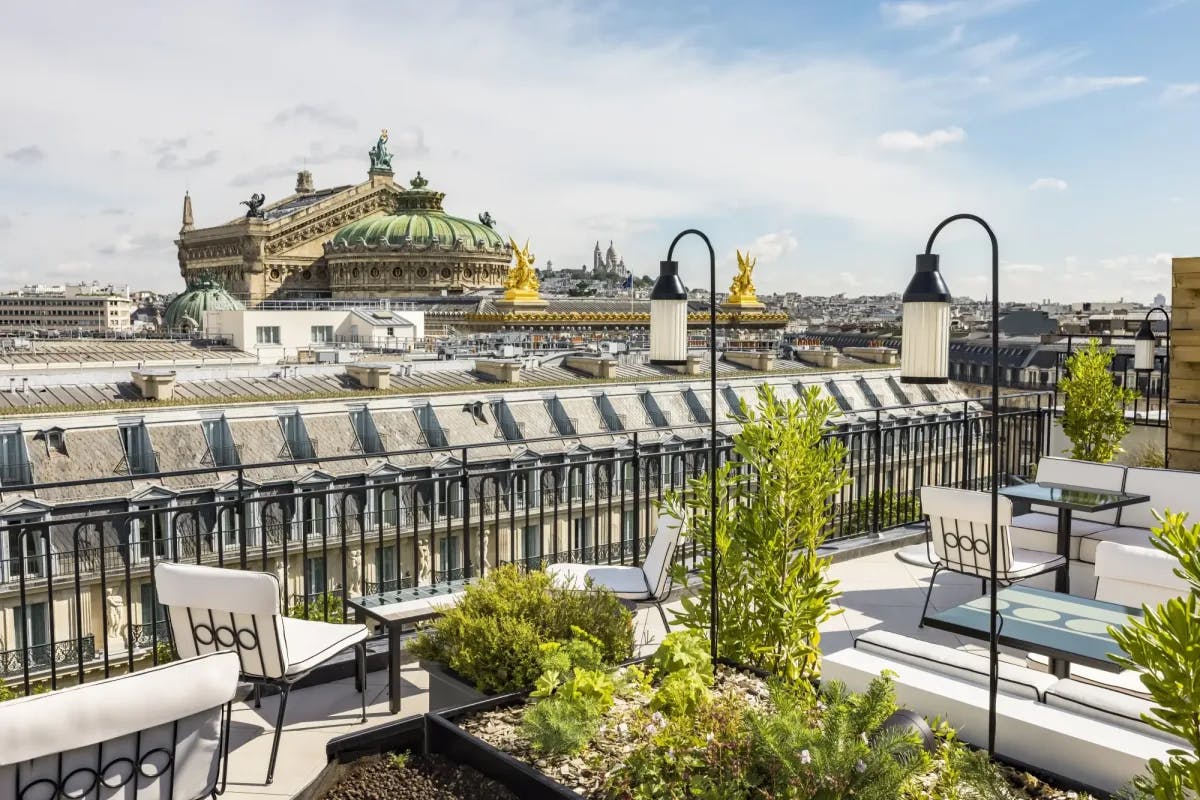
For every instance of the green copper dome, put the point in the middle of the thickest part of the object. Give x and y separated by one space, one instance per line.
186 312
418 221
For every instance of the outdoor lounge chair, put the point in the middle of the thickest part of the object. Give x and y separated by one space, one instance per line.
960 539
212 609
159 733
649 584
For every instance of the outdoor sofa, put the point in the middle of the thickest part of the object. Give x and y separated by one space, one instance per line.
1169 490
158 733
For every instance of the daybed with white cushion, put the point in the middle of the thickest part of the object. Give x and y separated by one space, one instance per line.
1169 490
158 733
1092 752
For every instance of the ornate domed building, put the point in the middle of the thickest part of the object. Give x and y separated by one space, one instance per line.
185 314
418 249
372 239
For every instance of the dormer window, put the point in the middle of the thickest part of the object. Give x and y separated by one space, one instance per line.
55 439
14 462
135 441
295 435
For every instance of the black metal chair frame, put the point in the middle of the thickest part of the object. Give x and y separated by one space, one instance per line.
284 685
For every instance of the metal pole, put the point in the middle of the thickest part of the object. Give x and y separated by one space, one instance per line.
712 442
993 641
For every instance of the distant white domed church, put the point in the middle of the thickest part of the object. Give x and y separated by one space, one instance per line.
609 264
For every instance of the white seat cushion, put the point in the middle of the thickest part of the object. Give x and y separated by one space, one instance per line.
1038 531
1015 680
1134 537
1128 681
1027 563
1169 490
1105 705
1133 576
627 583
309 644
1068 472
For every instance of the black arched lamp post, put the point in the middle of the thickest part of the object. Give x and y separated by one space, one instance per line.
925 358
1144 345
670 267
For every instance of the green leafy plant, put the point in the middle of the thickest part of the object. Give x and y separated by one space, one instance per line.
1165 645
682 692
799 746
557 726
960 772
773 588
1094 405
570 696
322 608
164 653
843 752
682 650
493 636
398 760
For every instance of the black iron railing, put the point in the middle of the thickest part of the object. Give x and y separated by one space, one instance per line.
43 657
425 526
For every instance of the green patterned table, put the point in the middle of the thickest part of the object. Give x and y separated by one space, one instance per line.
1065 628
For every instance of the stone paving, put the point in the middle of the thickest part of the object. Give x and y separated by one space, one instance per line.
879 591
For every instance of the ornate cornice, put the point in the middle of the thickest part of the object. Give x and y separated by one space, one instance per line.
306 228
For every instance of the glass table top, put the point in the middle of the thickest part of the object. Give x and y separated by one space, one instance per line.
1075 498
1051 623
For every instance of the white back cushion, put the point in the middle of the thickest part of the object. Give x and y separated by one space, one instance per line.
1088 474
657 565
144 716
960 527
1169 490
1133 576
213 610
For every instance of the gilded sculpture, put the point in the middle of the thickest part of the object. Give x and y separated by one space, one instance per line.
742 288
522 280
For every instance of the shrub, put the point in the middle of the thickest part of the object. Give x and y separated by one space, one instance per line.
1094 405
791 748
774 592
894 509
682 650
493 637
322 608
1164 645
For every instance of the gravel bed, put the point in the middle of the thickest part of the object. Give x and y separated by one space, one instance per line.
421 778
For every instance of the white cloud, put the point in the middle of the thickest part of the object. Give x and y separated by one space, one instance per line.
1179 91
1058 89
911 140
1048 184
1027 268
772 247
912 13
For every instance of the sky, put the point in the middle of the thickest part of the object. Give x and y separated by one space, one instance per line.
828 138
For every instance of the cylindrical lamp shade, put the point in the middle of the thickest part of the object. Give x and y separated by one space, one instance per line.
925 337
668 317
1144 343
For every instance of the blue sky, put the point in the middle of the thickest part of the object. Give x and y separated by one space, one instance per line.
828 138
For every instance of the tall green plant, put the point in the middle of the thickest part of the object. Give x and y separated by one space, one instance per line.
1094 406
1165 645
771 518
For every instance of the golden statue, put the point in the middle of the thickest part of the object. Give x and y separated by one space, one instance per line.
522 280
741 291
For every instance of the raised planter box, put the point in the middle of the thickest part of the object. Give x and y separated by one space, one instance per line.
447 689
443 735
